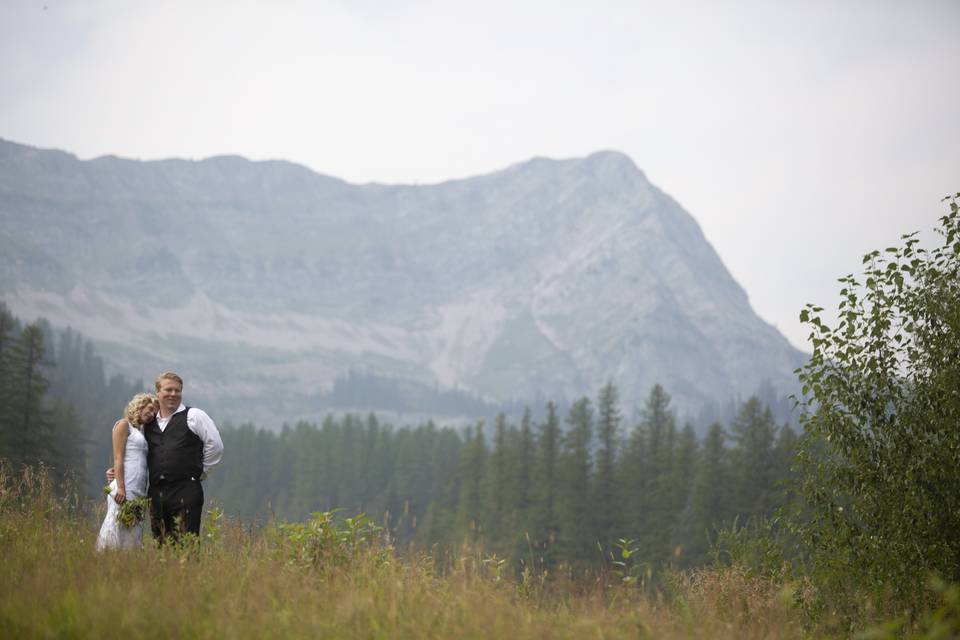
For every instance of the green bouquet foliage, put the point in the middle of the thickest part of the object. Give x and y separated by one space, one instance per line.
132 512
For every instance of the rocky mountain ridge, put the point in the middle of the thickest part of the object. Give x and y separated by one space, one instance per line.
265 281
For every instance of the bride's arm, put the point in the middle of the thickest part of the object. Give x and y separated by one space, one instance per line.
120 433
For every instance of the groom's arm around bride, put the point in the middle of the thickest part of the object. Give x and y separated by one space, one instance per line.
184 444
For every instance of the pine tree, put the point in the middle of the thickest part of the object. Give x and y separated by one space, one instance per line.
656 499
606 499
783 455
545 527
8 332
753 431
685 462
41 430
468 525
33 427
77 379
577 540
496 480
709 506
633 475
444 486
521 490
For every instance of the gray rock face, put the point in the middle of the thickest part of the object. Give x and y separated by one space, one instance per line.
262 281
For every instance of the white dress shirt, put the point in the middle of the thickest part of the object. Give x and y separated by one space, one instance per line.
202 425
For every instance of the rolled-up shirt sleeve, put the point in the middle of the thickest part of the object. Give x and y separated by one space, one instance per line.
201 424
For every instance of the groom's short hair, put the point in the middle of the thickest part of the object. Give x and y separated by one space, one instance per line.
167 375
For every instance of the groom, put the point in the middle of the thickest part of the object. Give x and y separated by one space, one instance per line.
183 445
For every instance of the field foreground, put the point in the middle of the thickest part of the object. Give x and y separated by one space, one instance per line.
333 579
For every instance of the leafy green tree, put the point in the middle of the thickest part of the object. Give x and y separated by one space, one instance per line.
878 463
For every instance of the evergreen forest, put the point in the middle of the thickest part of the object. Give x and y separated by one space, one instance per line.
568 489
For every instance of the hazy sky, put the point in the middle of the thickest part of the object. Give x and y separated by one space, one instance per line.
800 135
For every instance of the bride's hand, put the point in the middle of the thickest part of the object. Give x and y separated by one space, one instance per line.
110 475
120 495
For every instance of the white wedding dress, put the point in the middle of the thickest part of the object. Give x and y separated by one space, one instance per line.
114 535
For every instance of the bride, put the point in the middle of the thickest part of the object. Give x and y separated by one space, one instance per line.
130 467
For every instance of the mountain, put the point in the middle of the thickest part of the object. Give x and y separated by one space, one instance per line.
263 282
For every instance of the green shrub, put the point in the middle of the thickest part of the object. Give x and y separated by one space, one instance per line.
325 541
879 491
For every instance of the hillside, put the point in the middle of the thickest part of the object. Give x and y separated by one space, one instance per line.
263 282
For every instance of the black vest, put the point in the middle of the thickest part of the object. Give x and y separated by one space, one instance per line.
176 453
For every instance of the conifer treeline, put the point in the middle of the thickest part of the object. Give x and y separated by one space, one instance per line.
56 404
564 490
32 430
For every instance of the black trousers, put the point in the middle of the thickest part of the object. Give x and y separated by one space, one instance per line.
175 508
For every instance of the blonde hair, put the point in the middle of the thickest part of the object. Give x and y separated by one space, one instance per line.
132 412
167 375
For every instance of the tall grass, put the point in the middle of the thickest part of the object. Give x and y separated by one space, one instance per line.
329 578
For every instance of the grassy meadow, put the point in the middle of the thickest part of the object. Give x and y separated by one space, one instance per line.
340 582
342 579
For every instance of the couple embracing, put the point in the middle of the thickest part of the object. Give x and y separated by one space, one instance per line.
162 451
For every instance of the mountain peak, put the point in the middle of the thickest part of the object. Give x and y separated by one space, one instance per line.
549 277
604 165
611 157
613 165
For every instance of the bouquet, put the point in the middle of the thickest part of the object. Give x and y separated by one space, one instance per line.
132 512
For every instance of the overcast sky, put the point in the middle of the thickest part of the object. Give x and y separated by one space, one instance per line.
800 135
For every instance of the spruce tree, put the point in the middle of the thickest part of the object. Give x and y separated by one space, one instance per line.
520 489
7 338
444 485
685 462
496 486
783 454
606 494
709 506
468 523
656 498
753 431
545 527
577 539
33 429
633 477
